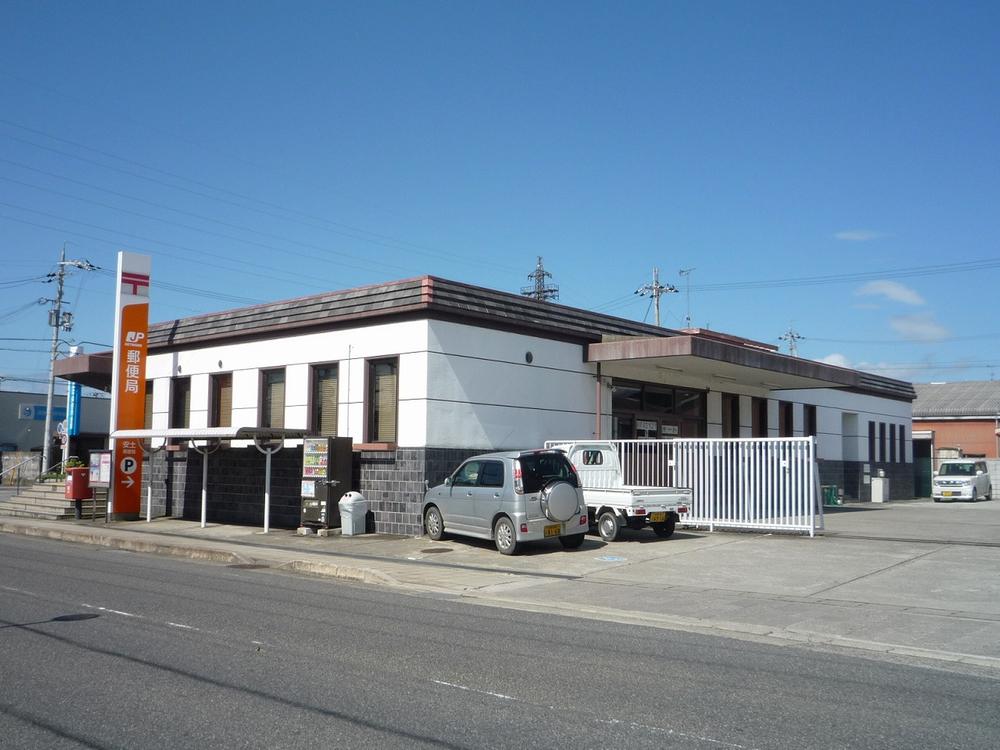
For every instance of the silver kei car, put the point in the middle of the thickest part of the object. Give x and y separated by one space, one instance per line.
514 497
962 479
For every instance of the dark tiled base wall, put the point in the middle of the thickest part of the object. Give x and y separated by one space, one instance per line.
235 486
848 476
392 482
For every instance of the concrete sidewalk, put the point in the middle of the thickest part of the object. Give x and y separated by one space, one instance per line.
914 579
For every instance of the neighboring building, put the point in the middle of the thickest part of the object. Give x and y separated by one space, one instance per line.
22 421
424 372
951 420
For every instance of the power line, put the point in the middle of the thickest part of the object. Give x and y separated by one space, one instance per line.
911 271
348 230
272 272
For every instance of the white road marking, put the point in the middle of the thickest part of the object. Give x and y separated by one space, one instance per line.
112 611
181 625
675 732
473 690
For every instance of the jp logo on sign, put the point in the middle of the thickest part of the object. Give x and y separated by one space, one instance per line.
129 465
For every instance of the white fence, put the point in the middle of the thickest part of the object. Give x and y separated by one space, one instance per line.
754 483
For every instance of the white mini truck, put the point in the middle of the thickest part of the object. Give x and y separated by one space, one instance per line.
611 504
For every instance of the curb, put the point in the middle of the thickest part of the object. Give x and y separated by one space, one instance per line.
205 554
746 631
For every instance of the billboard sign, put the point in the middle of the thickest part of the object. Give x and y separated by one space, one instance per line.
128 389
72 418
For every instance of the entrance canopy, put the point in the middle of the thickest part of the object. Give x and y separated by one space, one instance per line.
206 440
707 356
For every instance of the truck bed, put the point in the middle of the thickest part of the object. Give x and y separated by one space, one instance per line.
650 498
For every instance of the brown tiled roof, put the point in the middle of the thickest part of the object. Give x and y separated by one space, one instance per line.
428 295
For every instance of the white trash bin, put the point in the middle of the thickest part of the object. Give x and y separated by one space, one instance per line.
353 509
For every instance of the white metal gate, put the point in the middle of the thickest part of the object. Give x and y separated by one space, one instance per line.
755 483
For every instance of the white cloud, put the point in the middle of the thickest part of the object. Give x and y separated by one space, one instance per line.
920 327
887 369
836 359
859 235
892 290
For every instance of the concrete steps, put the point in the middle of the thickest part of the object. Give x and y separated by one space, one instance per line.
46 500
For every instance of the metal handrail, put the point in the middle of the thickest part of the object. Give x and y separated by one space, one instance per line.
49 470
17 467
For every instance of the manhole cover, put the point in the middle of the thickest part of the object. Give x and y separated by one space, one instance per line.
248 566
435 550
610 558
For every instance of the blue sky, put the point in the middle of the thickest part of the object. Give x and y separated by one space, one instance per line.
829 167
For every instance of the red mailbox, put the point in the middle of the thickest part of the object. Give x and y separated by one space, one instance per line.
78 483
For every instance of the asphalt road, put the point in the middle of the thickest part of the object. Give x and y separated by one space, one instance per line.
107 649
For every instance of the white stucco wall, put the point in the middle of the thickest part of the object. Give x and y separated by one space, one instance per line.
460 386
832 442
482 393
349 348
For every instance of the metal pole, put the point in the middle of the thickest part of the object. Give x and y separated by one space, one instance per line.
204 487
55 321
267 493
149 498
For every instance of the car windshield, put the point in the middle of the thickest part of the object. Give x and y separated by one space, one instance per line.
538 469
958 470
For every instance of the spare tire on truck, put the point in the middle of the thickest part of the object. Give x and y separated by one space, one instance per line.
559 501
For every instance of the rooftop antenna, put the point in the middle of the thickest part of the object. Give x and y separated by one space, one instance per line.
792 338
655 290
686 273
540 290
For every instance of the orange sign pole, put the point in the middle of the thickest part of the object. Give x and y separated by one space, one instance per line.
128 391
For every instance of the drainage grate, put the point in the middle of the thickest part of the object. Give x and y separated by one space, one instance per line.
248 566
434 550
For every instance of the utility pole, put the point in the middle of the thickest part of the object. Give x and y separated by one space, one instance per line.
792 338
656 290
540 290
57 320
686 273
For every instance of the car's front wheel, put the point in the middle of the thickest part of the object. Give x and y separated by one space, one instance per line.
433 523
504 536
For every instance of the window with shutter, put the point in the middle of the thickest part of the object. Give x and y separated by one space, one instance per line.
180 403
272 411
324 400
222 400
382 399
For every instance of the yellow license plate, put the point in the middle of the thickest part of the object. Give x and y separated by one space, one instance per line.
947 493
657 517
553 530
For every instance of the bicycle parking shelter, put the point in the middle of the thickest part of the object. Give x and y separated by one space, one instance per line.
207 440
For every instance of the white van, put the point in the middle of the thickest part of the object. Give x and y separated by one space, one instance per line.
962 479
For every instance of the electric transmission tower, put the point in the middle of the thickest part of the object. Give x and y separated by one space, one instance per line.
656 290
792 338
540 290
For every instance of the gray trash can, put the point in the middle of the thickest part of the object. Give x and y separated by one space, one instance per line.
353 509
